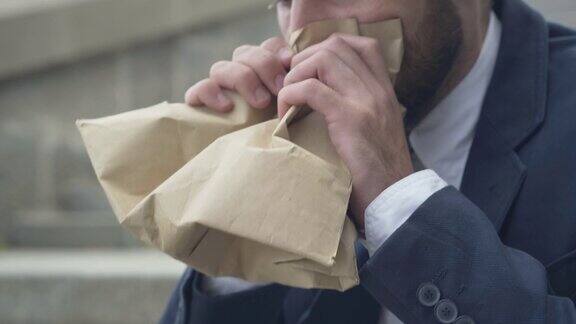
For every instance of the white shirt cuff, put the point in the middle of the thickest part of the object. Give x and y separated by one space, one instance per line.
394 206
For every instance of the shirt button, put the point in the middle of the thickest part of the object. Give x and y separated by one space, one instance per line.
446 311
428 294
464 320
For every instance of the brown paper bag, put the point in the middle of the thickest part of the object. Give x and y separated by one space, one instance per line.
265 203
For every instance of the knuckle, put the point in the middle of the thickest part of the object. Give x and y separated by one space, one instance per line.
272 41
201 85
310 85
337 41
269 41
210 85
197 89
245 74
258 58
218 66
240 50
324 55
266 60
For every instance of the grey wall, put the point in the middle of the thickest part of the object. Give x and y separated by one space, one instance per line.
559 10
48 193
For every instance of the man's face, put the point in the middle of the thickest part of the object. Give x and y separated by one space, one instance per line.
432 31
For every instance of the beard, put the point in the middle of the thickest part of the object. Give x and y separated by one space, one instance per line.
429 57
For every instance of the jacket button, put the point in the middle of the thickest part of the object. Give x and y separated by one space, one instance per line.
428 294
446 311
464 320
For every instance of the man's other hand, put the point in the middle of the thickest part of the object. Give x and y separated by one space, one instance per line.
256 72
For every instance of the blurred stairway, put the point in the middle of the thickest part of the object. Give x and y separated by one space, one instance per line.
85 286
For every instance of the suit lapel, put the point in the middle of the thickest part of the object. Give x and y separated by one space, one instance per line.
513 109
493 178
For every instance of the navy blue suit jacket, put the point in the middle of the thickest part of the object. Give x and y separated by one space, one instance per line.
503 248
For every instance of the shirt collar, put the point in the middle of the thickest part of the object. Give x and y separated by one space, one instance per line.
443 139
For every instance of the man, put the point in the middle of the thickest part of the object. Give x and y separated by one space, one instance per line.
487 234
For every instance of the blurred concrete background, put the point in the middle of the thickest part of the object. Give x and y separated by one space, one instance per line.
63 258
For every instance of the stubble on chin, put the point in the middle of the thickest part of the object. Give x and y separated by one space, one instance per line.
428 60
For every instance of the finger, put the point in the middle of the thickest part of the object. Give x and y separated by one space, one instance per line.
208 93
278 46
267 66
327 67
310 92
243 79
347 54
274 44
370 51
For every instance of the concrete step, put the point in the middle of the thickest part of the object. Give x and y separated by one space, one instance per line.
60 229
85 286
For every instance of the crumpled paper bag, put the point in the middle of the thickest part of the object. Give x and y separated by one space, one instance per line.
238 194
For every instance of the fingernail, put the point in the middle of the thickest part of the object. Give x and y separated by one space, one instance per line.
280 81
261 94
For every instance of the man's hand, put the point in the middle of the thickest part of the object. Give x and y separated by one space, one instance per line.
256 72
345 79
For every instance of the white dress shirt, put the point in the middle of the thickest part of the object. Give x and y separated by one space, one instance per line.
442 141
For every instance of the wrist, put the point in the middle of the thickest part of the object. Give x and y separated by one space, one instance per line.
395 205
367 187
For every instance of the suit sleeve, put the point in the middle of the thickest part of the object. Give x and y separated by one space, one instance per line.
447 263
189 304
